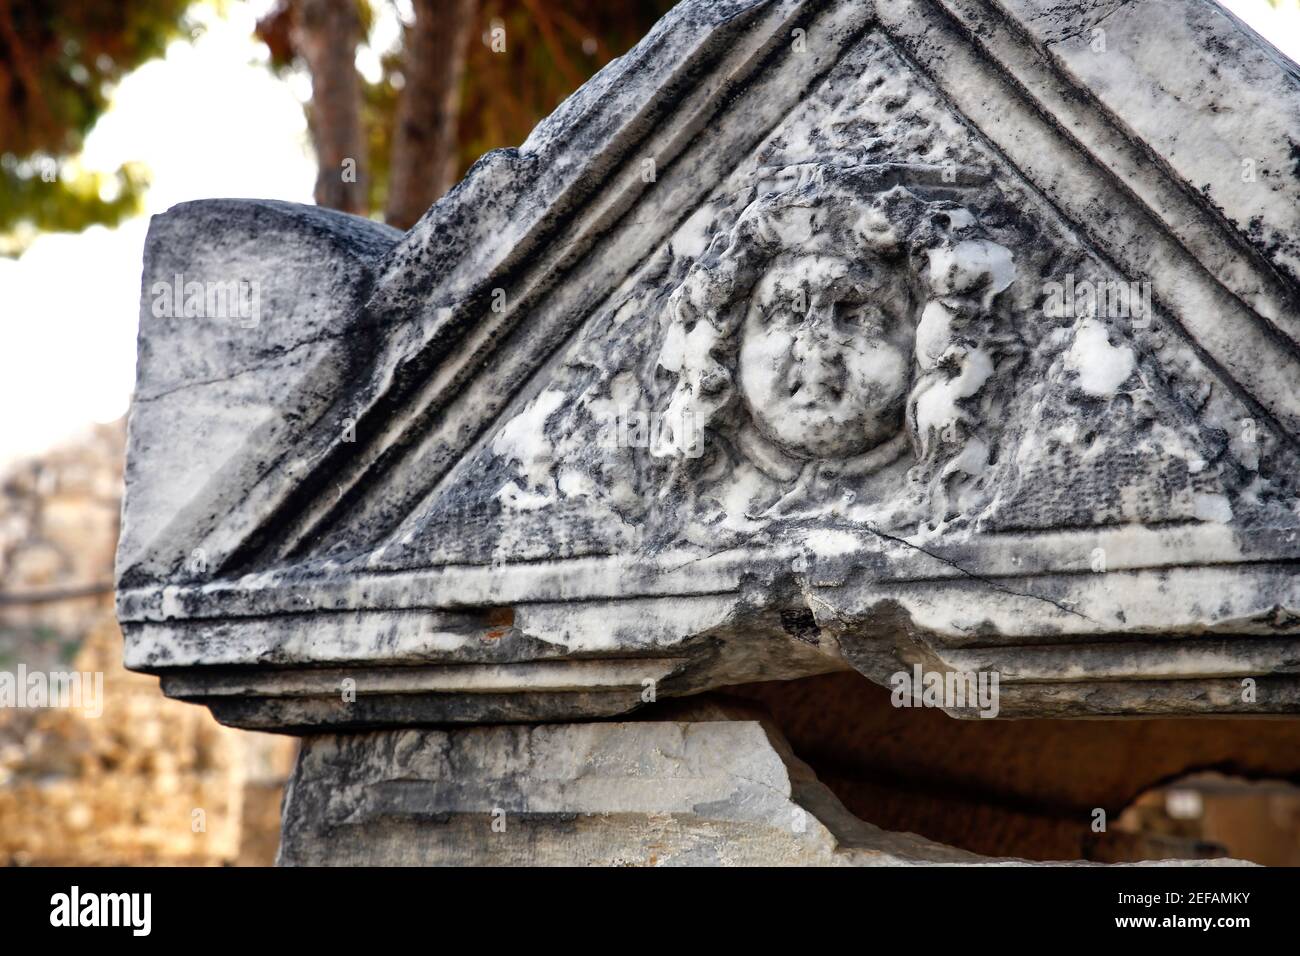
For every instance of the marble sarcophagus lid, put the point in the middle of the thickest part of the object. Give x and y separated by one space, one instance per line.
807 336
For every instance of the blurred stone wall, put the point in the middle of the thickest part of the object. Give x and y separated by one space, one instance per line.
147 780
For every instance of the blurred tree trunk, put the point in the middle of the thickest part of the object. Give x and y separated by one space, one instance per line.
423 165
326 34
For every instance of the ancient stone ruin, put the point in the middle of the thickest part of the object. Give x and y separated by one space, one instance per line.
115 774
949 343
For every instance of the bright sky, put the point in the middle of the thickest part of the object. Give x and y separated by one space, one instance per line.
209 120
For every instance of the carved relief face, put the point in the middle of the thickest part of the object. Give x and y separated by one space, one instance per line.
825 358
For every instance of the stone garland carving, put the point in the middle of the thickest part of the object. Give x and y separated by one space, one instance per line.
841 325
866 345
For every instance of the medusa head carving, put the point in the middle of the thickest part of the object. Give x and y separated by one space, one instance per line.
840 323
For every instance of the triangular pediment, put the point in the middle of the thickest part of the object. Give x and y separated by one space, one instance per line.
841 306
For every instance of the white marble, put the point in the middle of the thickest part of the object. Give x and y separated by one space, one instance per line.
954 334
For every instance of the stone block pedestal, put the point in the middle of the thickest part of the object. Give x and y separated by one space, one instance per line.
646 793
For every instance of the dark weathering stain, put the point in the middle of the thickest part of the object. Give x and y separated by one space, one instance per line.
801 625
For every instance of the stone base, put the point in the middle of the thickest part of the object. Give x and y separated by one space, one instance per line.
709 793
640 793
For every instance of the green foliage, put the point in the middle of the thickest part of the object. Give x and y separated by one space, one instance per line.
42 195
59 63
61 59
378 113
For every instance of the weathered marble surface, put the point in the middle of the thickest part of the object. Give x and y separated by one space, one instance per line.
744 367
650 793
656 794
